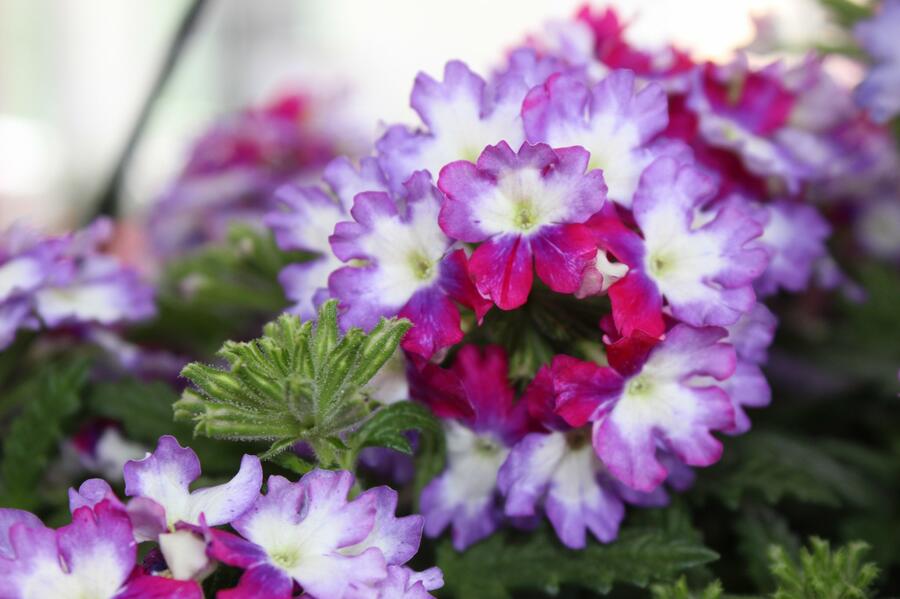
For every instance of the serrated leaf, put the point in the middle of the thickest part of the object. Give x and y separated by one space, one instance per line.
821 573
772 466
298 382
387 427
505 563
758 528
36 432
680 590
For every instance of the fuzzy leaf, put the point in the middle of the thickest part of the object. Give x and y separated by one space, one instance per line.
501 565
35 433
298 382
680 590
821 573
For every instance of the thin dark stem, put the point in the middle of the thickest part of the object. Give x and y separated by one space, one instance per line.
108 202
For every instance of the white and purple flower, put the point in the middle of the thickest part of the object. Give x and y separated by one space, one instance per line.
305 218
93 557
160 487
482 422
410 268
462 116
702 263
308 532
652 399
792 256
527 210
64 281
612 120
880 91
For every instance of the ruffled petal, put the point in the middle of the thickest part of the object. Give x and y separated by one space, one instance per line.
502 270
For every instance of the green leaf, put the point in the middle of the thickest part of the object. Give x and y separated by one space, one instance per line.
505 563
387 426
144 408
772 466
822 574
220 291
298 382
846 12
758 528
36 432
680 590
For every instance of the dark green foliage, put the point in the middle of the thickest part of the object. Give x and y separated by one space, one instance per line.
773 466
504 563
221 291
33 436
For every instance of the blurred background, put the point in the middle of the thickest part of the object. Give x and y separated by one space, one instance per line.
73 75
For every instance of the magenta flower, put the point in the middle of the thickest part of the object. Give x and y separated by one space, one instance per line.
410 268
880 91
702 263
462 116
748 112
94 556
611 120
527 209
482 422
613 49
309 533
652 399
234 168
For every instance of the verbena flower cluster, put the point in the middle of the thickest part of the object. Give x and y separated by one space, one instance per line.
307 533
66 282
583 242
667 197
234 167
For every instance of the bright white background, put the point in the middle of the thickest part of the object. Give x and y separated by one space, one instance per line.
72 74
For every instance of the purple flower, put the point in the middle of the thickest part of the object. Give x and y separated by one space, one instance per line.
878 227
793 256
482 422
411 268
462 117
62 281
748 387
234 168
561 470
640 405
526 208
880 91
401 583
304 219
160 483
611 120
94 556
701 262
310 533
